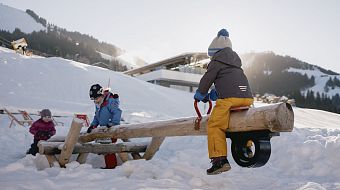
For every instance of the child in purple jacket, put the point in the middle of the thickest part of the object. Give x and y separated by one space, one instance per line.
42 129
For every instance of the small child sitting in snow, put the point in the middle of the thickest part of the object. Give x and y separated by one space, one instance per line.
42 129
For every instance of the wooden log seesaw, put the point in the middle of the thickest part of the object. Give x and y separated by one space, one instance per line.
250 132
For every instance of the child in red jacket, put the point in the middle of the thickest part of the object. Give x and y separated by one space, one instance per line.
42 129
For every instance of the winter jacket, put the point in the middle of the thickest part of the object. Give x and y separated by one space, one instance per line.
224 70
42 130
108 113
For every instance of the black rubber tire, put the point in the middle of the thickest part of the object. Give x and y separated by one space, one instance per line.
260 156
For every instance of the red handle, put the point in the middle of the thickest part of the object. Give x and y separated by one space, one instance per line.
199 115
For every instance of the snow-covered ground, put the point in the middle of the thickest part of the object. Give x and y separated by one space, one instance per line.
11 18
307 158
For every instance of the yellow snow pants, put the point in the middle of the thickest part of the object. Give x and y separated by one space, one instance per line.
218 123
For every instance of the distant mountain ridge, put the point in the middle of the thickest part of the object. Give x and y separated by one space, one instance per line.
288 76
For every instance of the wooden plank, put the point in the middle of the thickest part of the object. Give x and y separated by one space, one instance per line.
70 141
82 158
96 148
153 147
275 118
124 156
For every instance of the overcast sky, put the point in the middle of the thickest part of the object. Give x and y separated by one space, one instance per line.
153 29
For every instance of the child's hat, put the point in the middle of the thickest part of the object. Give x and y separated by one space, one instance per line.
220 42
45 112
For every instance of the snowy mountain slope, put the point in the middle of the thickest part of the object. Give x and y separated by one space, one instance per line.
130 61
321 79
265 70
307 158
11 18
28 79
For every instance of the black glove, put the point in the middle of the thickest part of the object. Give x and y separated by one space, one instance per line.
206 99
91 128
109 125
43 134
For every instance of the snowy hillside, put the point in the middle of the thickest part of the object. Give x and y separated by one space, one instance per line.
266 69
28 79
130 61
11 18
307 158
320 81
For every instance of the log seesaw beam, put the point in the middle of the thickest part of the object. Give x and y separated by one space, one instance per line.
273 118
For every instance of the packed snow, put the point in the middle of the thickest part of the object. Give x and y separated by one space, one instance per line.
307 158
11 18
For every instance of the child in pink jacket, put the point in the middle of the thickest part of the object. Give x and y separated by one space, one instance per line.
42 129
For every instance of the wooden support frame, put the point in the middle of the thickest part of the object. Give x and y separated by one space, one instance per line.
14 119
26 116
52 159
52 148
123 156
70 141
135 155
268 119
153 147
81 159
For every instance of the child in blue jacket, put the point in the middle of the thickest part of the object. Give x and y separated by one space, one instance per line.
107 111
107 114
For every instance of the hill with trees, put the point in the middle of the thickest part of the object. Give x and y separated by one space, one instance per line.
56 41
311 86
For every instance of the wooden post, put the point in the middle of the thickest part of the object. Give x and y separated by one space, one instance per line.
51 159
135 155
82 158
123 156
153 147
70 141
274 118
